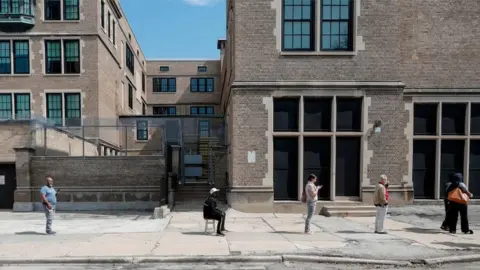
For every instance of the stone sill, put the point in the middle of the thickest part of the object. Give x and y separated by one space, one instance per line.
318 53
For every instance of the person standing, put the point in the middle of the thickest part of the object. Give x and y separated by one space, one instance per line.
210 211
311 198
380 200
455 208
444 225
49 201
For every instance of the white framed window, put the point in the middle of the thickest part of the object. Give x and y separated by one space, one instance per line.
15 105
64 108
62 56
15 57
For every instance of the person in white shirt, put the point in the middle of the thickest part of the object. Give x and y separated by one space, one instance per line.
311 194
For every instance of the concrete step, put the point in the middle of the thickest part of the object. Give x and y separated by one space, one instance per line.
348 211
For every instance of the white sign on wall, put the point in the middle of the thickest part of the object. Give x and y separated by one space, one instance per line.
251 157
2 180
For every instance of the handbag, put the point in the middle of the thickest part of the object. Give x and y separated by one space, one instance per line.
457 196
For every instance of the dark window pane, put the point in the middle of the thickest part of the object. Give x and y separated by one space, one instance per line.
73 115
475 119
55 109
164 85
130 96
202 69
5 60
451 161
102 14
347 178
22 106
298 25
424 169
164 110
453 119
425 119
317 114
21 57
164 68
5 106
71 9
285 169
53 56
474 176
349 114
285 114
71 56
53 10
317 160
142 130
130 59
204 128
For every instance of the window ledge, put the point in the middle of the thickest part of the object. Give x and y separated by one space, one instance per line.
15 75
198 92
63 75
141 141
164 92
62 21
318 53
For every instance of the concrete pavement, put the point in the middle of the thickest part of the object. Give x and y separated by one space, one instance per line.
182 234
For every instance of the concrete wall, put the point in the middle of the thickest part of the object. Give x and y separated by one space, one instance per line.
98 183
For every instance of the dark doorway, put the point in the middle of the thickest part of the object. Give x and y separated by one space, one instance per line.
8 184
474 176
317 160
451 161
423 175
347 173
285 169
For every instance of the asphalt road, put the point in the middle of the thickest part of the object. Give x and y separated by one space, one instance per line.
286 266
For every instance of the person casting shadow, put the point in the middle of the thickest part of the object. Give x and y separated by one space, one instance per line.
210 211
454 208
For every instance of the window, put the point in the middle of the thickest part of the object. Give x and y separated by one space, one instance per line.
164 85
5 60
164 110
285 117
144 109
109 18
102 14
130 59
71 10
336 21
337 24
164 69
71 56
202 69
142 130
202 84
64 109
21 57
298 25
143 82
114 35
5 106
204 128
22 7
130 96
53 10
201 110
22 106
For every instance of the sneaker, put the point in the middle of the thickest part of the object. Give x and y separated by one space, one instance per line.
445 228
309 232
468 232
220 234
381 232
225 230
51 233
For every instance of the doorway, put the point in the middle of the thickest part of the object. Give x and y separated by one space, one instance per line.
317 160
424 169
347 173
8 184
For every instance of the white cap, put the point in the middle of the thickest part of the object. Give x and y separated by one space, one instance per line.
383 177
213 190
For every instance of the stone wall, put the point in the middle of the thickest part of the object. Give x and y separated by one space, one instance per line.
96 183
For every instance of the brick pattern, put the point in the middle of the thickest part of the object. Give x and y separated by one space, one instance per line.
423 43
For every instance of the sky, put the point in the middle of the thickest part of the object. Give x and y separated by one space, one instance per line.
172 29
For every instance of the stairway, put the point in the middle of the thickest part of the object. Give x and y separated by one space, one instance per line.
347 209
196 193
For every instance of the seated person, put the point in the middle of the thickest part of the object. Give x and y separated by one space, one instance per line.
210 211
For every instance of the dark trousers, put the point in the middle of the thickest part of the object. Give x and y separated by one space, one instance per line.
445 221
220 218
453 210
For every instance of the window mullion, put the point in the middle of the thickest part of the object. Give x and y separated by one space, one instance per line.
12 57
12 107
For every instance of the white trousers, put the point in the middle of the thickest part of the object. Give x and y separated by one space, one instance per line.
380 218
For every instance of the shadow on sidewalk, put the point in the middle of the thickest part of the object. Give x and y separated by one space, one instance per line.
353 232
29 233
288 232
458 245
423 230
196 233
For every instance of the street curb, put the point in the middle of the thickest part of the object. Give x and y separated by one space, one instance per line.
452 259
341 260
71 260
210 259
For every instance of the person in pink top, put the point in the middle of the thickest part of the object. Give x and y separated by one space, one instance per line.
311 197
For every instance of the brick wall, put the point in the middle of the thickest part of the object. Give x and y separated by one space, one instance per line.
115 180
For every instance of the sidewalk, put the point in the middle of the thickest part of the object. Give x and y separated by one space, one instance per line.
182 234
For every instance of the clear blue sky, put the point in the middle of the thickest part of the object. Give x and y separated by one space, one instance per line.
177 28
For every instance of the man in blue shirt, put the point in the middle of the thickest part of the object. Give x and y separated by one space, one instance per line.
49 201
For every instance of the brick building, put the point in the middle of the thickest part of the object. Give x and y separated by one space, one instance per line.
345 89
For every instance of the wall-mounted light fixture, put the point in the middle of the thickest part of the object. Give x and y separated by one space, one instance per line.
377 126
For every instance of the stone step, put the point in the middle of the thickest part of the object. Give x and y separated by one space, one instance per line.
348 211
356 213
